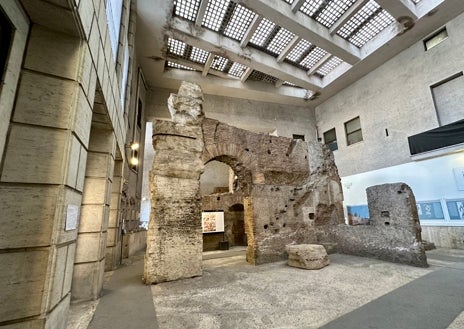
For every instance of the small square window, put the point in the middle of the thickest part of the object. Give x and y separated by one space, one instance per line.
295 136
353 131
330 139
435 39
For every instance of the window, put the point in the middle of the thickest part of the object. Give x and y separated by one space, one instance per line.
5 41
139 114
330 139
353 131
295 136
113 17
435 39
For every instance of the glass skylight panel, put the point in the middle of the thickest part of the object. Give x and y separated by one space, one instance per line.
333 12
199 55
309 7
416 1
176 47
289 1
376 24
179 66
214 15
237 70
265 28
301 47
187 9
289 84
219 63
239 22
361 16
280 41
329 65
313 57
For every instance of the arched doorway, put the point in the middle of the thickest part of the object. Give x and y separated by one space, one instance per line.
221 195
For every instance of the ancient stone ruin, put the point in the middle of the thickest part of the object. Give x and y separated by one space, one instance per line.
394 233
290 191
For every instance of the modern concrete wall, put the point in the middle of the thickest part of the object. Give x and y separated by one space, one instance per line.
396 96
216 174
254 116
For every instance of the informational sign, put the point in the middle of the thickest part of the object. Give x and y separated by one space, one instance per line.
430 210
72 214
212 221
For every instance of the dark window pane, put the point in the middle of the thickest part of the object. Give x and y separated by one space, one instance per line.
354 137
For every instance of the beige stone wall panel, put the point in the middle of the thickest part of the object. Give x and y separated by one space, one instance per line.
26 272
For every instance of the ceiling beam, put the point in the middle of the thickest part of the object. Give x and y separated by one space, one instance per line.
199 68
319 64
251 30
246 74
207 66
347 16
399 8
304 26
235 88
212 42
201 12
288 48
296 5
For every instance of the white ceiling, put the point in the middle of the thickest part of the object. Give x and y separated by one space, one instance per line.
297 52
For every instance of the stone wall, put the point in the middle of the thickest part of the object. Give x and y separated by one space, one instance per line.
394 234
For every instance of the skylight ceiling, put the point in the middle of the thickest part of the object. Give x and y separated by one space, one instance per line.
307 43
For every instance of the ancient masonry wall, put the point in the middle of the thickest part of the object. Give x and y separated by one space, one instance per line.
394 233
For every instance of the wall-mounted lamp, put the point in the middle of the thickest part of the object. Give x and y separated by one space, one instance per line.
134 158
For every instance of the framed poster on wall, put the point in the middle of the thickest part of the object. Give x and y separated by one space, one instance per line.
212 221
455 209
430 210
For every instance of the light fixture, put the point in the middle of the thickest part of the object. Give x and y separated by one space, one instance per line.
134 161
134 146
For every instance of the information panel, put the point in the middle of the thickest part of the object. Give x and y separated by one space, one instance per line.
212 221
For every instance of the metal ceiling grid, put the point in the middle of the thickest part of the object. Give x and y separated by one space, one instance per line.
372 27
199 55
310 7
263 32
280 41
329 66
214 15
238 22
297 52
187 9
179 66
260 76
358 30
289 1
334 10
176 47
237 70
219 63
313 57
416 1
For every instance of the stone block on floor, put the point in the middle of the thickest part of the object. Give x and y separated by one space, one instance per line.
307 256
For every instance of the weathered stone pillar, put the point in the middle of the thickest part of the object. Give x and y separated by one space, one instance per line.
174 237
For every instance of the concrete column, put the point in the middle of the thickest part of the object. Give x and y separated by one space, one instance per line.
91 241
41 182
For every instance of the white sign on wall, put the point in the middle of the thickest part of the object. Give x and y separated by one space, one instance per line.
72 214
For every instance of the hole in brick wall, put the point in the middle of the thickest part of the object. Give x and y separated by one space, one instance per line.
284 225
387 223
311 215
306 156
384 214
266 226
247 149
286 154
399 192
218 198
286 206
276 230
268 151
